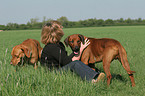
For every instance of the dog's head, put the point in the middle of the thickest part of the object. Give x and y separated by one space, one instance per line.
74 41
18 53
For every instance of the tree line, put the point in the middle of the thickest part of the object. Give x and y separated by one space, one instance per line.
35 24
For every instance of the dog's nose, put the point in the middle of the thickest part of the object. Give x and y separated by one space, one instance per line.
76 47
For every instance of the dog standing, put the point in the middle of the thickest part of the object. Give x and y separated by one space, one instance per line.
28 51
105 50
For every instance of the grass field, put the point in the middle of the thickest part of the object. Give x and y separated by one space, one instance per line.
40 82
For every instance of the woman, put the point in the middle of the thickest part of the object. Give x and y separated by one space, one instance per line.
54 54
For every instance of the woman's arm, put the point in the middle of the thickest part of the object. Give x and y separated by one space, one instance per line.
83 46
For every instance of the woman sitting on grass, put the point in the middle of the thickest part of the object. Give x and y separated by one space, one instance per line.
54 54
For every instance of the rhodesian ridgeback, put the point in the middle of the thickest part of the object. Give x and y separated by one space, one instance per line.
28 51
104 49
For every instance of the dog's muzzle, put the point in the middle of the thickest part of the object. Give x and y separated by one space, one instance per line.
76 49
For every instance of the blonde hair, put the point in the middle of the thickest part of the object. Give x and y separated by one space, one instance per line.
51 32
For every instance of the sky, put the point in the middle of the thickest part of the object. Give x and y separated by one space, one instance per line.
21 11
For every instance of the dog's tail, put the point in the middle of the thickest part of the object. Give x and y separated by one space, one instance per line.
123 59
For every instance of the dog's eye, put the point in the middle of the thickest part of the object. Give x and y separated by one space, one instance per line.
72 41
78 41
16 56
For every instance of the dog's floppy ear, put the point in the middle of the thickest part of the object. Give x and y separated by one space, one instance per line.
26 51
66 41
81 38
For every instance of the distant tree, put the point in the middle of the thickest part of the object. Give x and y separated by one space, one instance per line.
121 20
139 20
109 22
44 20
48 20
129 21
78 24
83 23
69 24
29 25
91 22
2 27
23 26
34 20
12 26
143 21
100 22
66 24
62 19
35 24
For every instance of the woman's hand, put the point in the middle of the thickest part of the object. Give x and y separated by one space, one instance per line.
83 46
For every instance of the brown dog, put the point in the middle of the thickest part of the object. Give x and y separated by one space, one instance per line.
105 50
28 51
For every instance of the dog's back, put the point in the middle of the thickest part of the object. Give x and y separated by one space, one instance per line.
33 43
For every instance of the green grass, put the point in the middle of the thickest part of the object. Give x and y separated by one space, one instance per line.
40 82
